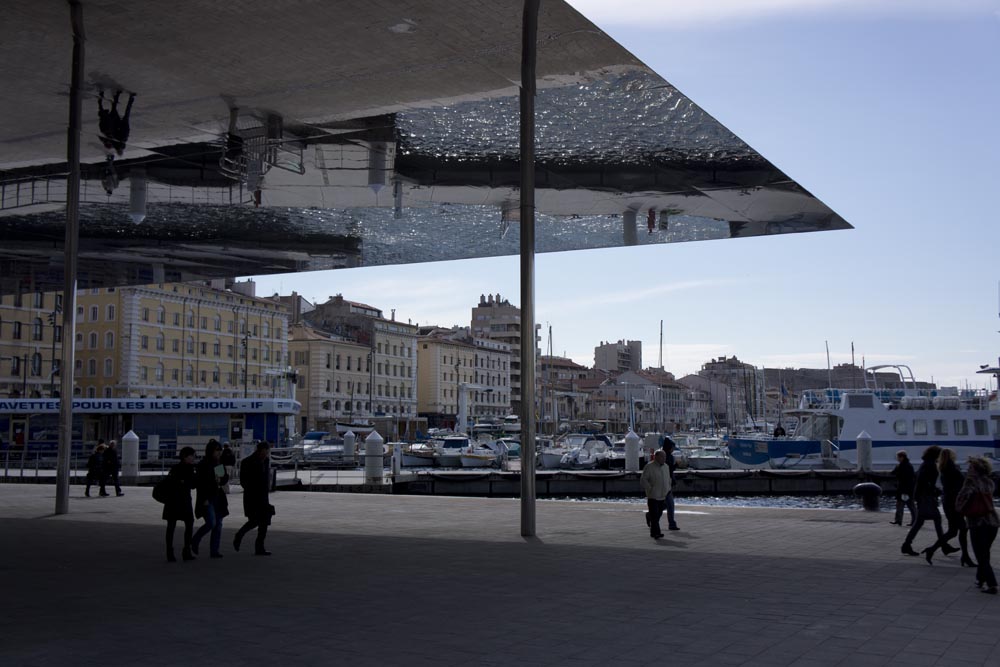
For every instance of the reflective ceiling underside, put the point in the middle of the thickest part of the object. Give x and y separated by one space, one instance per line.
270 137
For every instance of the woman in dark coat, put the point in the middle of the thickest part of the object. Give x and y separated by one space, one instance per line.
975 503
95 469
951 480
210 501
255 477
925 493
905 478
178 505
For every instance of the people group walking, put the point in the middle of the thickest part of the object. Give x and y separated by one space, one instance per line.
967 501
209 479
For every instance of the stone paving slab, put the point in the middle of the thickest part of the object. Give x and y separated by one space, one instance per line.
373 579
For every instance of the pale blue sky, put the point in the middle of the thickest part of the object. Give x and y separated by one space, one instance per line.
884 109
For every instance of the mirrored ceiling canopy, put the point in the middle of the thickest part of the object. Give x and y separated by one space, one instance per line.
299 136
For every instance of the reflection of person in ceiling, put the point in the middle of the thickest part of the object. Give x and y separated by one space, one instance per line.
234 142
109 177
114 128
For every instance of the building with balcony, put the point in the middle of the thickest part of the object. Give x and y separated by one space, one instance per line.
30 343
391 344
180 340
497 319
334 377
451 361
618 357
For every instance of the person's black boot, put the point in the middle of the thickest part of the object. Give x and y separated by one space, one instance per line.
186 554
171 558
907 550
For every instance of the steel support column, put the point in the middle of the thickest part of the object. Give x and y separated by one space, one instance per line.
70 251
529 35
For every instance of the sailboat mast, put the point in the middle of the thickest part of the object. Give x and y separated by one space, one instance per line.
661 345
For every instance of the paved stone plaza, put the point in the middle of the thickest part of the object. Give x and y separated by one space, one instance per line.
371 579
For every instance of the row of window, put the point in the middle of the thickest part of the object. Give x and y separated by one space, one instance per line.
37 329
203 322
190 346
397 350
32 363
940 427
38 300
232 379
380 390
359 406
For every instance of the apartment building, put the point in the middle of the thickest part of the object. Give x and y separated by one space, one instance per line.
392 346
334 377
618 357
180 340
452 361
497 319
30 344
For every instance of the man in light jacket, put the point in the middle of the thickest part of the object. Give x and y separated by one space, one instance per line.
655 481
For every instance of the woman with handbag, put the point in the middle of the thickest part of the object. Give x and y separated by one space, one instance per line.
952 480
975 503
210 502
925 493
177 504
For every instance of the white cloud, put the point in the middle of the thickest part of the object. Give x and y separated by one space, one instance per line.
677 13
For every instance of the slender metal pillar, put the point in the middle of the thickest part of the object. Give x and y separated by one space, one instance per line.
70 251
529 35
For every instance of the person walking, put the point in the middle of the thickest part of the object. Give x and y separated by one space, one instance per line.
668 447
210 500
95 468
655 481
905 479
255 476
925 493
952 481
178 505
975 503
112 466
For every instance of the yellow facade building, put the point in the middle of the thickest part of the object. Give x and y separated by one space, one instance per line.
180 340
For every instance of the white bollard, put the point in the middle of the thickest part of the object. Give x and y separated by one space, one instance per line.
632 442
397 458
864 443
373 458
130 455
350 442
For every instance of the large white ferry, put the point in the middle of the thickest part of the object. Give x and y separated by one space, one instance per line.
911 419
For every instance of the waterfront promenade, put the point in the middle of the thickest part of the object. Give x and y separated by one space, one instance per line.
366 579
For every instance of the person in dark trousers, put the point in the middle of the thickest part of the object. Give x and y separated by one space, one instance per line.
952 480
210 500
655 481
112 465
95 468
905 479
114 128
925 493
779 431
668 447
178 505
255 476
975 503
